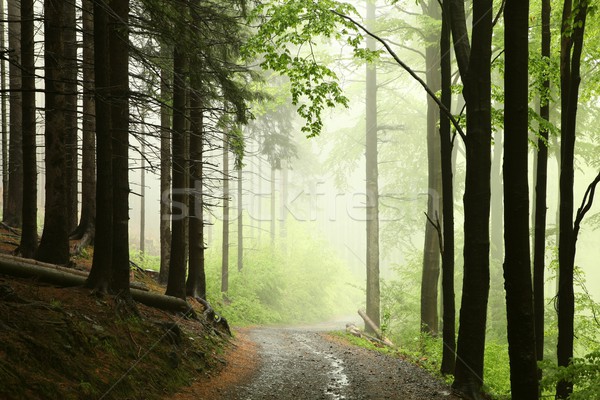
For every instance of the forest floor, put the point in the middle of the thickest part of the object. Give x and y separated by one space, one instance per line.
67 343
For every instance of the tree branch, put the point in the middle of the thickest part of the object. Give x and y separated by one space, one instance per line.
586 204
412 73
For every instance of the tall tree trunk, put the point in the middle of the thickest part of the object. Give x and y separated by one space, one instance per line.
143 199
196 281
54 244
283 210
119 110
100 274
70 111
87 224
225 248
448 304
165 170
431 249
570 62
240 221
474 65
12 212
517 272
29 235
177 270
541 181
3 112
372 187
272 205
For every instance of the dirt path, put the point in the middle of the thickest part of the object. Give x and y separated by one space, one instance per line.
282 364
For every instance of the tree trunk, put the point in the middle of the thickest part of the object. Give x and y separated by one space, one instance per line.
541 181
517 272
448 303
87 224
177 267
143 198
225 248
3 112
54 244
431 249
70 112
196 281
475 73
372 188
118 40
570 59
12 213
165 170
272 204
100 274
240 222
29 235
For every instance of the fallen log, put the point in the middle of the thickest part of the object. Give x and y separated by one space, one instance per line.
65 277
375 328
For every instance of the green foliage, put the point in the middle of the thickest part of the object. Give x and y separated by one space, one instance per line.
286 40
583 371
290 283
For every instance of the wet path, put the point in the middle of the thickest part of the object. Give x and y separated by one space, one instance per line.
305 363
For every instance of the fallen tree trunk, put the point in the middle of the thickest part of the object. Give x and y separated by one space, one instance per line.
375 328
65 277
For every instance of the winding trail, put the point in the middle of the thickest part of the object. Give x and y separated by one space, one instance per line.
305 363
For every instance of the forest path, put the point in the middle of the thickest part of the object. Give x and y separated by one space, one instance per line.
305 363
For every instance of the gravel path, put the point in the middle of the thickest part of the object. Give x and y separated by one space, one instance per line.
285 364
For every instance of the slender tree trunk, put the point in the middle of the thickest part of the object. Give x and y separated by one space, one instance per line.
240 221
70 112
431 249
475 73
119 110
87 224
100 274
541 181
196 281
449 307
13 208
54 244
177 267
570 62
4 113
29 235
372 187
517 272
143 200
272 204
165 171
225 248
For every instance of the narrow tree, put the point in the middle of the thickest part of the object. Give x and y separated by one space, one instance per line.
87 223
372 187
12 212
572 30
177 267
517 272
29 236
54 244
165 169
431 249
225 242
474 66
448 302
3 105
196 280
70 71
240 221
541 180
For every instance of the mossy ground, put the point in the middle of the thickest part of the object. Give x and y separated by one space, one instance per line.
67 343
